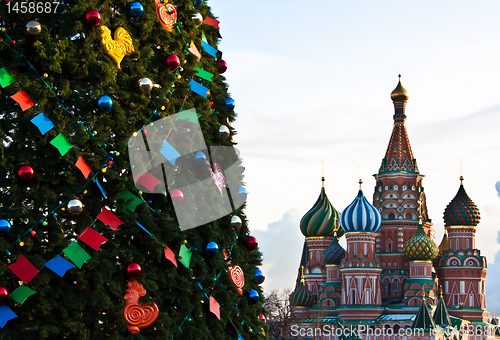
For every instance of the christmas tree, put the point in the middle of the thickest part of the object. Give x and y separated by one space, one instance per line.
121 194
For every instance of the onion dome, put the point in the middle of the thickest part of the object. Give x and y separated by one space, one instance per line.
461 211
399 94
420 247
322 219
360 216
301 296
444 245
334 253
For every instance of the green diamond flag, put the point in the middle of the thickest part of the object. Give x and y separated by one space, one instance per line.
21 294
188 115
132 200
185 256
61 144
76 254
203 74
5 78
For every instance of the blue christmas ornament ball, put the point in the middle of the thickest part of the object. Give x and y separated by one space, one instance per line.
242 193
229 104
4 227
200 158
252 297
259 276
136 9
211 249
105 103
198 2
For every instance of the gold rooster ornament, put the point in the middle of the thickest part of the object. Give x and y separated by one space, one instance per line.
118 47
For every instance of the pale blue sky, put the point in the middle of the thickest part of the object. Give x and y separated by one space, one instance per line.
312 81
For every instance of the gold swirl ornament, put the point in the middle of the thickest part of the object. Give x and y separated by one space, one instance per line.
119 46
166 13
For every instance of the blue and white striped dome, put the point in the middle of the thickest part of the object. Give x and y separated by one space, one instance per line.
360 216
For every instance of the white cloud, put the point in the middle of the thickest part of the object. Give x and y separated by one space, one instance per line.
281 245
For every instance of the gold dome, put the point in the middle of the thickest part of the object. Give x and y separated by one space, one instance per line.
399 94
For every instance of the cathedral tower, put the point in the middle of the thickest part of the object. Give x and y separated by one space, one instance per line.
318 226
398 193
462 269
360 271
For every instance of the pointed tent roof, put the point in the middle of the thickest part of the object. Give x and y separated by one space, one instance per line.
399 156
423 320
441 316
303 263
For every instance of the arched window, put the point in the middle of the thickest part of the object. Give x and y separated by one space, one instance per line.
391 216
355 249
366 249
457 244
416 271
387 287
396 285
467 244
317 256
389 246
353 296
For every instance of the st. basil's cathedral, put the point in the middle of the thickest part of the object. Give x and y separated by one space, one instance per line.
393 281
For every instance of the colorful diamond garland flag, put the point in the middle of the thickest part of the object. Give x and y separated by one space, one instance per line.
92 238
215 307
62 144
23 99
140 225
209 49
198 88
59 265
194 51
108 218
43 123
6 314
169 255
168 150
203 74
5 78
185 256
21 294
211 22
23 269
148 180
84 168
132 201
76 254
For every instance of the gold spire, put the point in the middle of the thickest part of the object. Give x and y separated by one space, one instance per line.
323 177
302 274
399 94
461 180
360 182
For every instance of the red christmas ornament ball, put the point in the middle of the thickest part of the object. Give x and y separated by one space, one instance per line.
177 196
26 173
172 62
93 17
222 66
133 271
251 244
3 293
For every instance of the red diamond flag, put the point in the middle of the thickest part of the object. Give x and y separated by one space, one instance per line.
215 307
211 22
82 165
107 217
92 238
24 269
148 180
23 99
169 255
